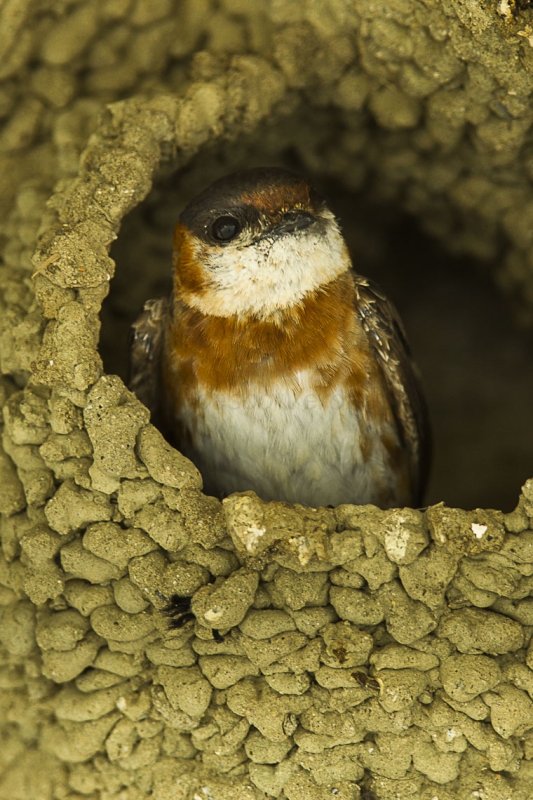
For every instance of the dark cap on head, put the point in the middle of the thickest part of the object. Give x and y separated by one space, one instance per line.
252 195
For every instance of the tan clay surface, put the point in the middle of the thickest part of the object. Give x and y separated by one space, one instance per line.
364 653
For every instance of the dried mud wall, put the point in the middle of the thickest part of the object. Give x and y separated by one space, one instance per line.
364 653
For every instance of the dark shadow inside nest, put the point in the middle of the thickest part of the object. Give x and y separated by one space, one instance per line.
475 361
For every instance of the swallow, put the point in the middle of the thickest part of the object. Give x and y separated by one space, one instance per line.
274 366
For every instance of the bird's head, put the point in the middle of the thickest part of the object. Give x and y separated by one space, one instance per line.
255 243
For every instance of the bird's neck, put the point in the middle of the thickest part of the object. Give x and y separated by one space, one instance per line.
226 352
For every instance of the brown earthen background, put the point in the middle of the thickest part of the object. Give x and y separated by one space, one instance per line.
429 106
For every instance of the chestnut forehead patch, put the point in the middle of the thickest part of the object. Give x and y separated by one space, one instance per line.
252 195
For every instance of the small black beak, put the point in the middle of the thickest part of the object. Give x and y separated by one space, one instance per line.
290 222
294 221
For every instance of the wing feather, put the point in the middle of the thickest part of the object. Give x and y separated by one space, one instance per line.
146 342
386 335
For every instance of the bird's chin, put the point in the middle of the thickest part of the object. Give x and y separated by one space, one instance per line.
263 279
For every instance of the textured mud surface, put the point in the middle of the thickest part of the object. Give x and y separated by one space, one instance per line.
363 653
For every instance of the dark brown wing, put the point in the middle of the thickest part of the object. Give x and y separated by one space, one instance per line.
386 336
146 341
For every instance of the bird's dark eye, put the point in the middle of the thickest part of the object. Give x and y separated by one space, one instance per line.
224 229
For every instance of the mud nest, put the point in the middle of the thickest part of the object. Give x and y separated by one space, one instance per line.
349 652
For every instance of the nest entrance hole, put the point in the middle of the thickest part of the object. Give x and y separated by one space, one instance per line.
475 361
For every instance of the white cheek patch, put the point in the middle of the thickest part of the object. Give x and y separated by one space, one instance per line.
274 273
